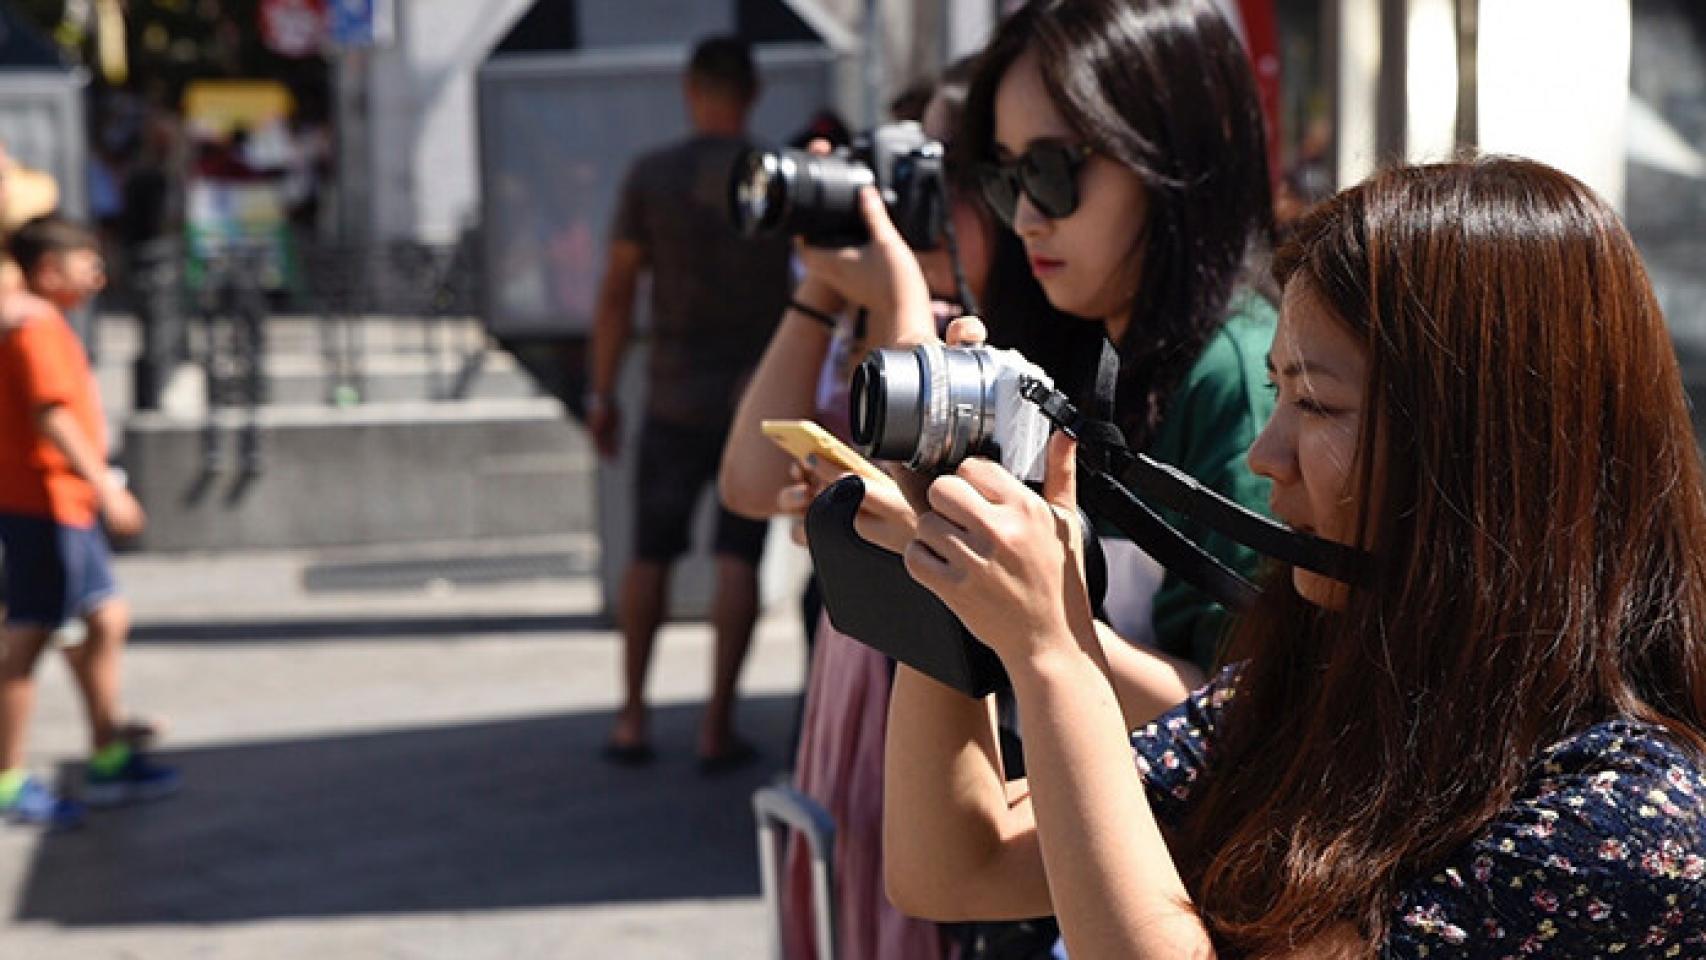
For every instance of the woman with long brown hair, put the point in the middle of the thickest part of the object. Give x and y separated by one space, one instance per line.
1490 745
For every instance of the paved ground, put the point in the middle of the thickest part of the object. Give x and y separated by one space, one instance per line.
400 764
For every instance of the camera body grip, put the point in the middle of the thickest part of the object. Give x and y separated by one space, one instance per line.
871 598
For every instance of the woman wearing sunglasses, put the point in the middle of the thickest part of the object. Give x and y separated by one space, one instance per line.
1121 142
1492 745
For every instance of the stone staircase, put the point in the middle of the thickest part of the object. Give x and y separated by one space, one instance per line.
377 430
443 450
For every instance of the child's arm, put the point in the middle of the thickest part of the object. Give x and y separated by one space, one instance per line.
124 516
17 305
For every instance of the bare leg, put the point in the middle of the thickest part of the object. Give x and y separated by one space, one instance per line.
645 589
734 612
20 647
96 664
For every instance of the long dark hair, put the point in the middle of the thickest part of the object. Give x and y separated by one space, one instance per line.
1164 88
1538 531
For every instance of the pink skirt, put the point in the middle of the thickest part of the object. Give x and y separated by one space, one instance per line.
840 765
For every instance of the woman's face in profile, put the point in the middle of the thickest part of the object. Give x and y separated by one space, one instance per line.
1087 261
1319 371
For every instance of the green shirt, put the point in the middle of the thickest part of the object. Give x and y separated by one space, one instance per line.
1209 425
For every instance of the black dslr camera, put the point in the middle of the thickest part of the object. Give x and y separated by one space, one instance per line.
817 197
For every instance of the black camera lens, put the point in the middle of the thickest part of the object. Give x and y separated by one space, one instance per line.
799 193
758 191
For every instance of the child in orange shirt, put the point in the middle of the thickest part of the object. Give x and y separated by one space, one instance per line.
54 488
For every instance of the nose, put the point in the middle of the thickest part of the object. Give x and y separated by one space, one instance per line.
1274 454
1028 221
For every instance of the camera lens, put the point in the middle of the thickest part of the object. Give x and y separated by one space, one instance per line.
758 191
803 194
885 404
930 406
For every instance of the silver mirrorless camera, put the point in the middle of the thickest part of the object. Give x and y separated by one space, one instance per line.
933 406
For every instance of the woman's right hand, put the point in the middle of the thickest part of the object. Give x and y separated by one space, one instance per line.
882 275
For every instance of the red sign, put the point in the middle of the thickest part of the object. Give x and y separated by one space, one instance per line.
293 28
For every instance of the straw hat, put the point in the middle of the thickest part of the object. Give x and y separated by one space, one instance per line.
25 194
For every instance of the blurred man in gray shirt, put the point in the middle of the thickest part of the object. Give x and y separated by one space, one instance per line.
716 296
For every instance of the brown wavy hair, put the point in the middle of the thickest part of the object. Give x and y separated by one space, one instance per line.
1540 542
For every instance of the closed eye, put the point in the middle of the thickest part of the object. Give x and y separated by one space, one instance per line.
1309 406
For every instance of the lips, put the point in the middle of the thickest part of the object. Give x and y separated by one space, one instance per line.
1046 266
1280 515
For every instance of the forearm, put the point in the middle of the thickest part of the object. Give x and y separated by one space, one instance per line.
60 428
1147 683
1116 890
612 326
954 848
905 318
754 470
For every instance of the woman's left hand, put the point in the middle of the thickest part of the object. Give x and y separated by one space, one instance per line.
885 519
1008 562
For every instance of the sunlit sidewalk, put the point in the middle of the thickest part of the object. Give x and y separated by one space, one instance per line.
382 762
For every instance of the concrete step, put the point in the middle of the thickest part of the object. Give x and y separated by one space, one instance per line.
120 335
314 476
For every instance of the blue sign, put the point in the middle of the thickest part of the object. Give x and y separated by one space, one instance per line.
360 23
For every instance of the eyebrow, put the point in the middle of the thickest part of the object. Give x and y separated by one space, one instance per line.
1002 151
1302 368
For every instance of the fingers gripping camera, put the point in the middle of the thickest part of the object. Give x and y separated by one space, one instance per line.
933 406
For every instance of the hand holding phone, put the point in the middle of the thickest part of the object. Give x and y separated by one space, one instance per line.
803 438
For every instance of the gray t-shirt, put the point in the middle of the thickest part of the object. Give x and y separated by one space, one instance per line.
716 296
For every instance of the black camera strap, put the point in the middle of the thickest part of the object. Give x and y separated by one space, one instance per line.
1105 461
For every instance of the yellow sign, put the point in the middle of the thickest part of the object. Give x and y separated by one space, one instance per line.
214 108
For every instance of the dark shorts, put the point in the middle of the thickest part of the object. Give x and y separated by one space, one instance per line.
53 572
676 464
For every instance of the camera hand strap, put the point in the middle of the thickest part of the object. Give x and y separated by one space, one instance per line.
1106 461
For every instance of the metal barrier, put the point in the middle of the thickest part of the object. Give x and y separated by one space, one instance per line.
432 285
432 289
231 308
781 808
216 316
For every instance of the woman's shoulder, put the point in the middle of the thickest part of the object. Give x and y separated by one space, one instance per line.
1602 850
1634 784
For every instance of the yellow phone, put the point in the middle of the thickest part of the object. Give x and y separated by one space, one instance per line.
802 438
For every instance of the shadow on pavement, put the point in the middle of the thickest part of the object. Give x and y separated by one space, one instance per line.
483 816
553 626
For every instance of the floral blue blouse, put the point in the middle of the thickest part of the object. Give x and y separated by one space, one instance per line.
1602 852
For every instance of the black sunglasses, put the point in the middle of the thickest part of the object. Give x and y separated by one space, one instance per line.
1047 173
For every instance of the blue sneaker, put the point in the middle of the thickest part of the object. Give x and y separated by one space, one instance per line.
138 781
36 803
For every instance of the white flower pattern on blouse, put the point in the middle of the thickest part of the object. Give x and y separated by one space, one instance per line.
1601 854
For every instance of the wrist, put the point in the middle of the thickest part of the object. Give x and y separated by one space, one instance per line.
1063 677
821 319
109 486
1060 656
818 295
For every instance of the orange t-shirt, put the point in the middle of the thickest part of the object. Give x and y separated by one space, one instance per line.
42 364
